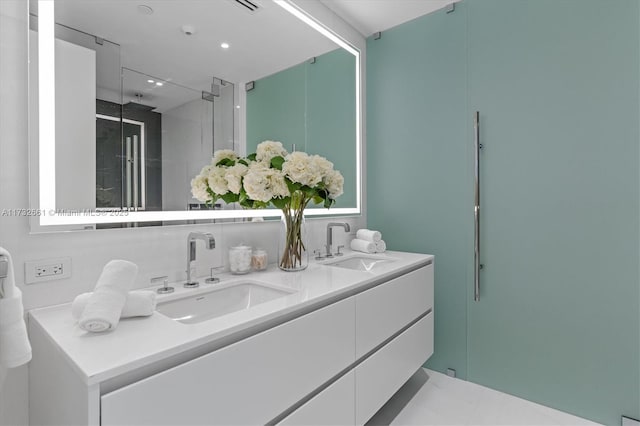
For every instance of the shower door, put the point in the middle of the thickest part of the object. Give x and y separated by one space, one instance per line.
134 182
556 85
120 163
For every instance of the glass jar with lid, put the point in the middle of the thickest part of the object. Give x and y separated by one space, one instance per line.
259 260
240 259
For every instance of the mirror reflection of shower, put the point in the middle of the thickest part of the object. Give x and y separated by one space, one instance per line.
156 138
120 156
222 96
153 132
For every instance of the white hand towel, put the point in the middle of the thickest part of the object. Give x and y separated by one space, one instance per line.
139 303
368 235
9 283
363 246
381 246
103 309
15 348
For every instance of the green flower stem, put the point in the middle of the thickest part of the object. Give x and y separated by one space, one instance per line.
294 247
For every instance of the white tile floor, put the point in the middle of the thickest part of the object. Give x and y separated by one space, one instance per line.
432 398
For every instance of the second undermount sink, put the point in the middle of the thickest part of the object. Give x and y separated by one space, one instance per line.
221 301
359 262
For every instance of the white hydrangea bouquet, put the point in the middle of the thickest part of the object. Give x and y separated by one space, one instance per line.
288 181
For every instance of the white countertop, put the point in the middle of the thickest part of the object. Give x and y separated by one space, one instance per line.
138 342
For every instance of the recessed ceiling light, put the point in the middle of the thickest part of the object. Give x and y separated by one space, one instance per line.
238 106
188 29
225 45
143 9
159 83
150 81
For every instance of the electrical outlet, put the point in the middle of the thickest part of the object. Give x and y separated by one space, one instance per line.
36 271
49 270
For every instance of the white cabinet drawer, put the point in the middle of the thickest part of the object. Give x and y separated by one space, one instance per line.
382 374
387 308
333 406
249 382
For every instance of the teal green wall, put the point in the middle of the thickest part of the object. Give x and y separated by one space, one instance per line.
331 116
313 106
557 84
418 181
276 109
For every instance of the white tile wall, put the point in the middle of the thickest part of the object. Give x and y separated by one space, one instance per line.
157 251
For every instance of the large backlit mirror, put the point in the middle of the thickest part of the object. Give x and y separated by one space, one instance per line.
128 101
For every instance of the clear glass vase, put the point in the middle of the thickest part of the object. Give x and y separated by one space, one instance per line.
292 242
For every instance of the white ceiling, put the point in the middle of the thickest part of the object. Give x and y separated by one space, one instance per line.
261 43
371 16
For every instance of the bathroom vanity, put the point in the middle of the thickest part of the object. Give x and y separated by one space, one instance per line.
327 345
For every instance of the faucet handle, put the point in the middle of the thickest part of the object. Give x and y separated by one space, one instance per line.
328 255
165 289
212 279
318 254
339 253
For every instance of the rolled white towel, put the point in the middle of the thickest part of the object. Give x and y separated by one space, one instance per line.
363 246
103 309
15 348
381 246
368 235
140 303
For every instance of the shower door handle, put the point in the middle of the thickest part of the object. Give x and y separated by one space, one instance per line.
128 171
136 171
476 210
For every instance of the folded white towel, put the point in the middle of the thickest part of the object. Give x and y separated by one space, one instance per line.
368 235
381 246
363 246
104 307
140 303
15 348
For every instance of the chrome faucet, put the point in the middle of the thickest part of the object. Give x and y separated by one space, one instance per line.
210 243
330 225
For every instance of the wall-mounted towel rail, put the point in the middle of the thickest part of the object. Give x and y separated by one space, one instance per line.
4 271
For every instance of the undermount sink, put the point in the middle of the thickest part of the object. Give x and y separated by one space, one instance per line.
361 262
221 301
